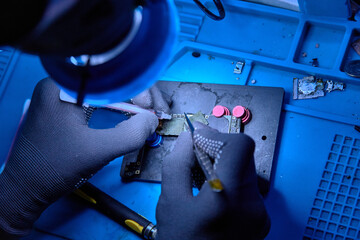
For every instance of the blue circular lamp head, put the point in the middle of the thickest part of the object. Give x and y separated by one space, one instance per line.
130 67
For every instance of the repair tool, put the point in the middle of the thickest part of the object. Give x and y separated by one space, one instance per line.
119 106
115 210
205 162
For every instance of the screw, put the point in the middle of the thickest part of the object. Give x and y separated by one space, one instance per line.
196 54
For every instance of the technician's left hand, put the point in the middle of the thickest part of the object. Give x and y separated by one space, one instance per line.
55 153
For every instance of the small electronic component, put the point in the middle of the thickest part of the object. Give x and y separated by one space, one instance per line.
239 67
224 124
313 87
308 87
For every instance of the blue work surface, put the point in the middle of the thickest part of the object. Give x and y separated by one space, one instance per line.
315 186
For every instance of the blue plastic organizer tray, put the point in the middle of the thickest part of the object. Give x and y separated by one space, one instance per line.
315 186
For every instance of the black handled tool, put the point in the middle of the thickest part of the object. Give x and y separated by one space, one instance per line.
115 210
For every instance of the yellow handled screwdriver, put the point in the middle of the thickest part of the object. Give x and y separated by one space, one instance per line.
116 211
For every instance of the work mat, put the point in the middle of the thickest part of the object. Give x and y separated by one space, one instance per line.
335 213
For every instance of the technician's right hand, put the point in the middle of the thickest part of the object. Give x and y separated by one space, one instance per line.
238 212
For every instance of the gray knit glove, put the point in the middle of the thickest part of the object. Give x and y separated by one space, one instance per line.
238 212
55 153
153 98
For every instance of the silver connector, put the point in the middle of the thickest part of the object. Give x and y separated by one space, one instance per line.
150 232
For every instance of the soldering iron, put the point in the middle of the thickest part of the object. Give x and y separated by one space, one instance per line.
116 211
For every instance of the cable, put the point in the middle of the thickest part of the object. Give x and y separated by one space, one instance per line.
211 15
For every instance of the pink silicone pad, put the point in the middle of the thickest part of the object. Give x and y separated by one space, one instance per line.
238 111
227 112
218 111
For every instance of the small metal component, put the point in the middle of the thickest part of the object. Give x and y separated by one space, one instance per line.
132 169
329 86
150 232
253 81
304 54
332 86
199 117
239 67
175 126
308 87
162 115
352 68
317 45
339 86
312 87
172 127
235 125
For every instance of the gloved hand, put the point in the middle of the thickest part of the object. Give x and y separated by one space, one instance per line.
238 212
55 153
153 98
